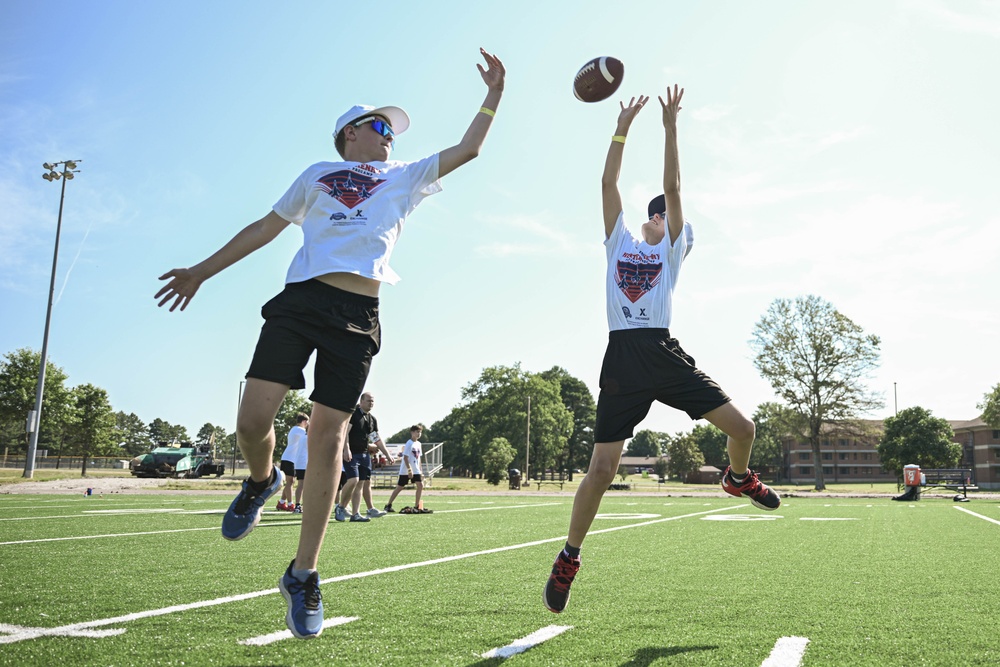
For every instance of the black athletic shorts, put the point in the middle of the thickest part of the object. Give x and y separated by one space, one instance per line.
341 326
409 479
360 467
300 473
288 468
646 365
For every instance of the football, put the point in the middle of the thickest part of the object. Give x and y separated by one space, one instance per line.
598 79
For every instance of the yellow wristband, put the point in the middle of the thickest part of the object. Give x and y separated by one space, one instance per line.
620 138
489 112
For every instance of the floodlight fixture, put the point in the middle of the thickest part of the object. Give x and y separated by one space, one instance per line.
49 166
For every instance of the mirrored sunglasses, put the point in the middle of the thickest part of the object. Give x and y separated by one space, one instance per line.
379 126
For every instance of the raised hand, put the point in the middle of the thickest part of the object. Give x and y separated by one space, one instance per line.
494 73
671 106
628 113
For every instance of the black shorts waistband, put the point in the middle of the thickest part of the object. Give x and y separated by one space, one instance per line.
622 334
319 287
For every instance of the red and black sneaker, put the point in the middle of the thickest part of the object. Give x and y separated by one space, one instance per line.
760 494
556 593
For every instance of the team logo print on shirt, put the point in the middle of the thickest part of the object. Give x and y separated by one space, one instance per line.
635 279
349 187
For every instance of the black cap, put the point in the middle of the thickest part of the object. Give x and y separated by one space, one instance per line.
657 205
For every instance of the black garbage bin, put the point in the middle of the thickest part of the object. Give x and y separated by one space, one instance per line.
514 478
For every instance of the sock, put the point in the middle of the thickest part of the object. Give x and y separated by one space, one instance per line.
260 486
572 552
301 575
738 479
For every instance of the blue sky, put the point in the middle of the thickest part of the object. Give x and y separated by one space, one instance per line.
848 150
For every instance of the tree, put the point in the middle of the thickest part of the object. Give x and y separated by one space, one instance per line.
131 434
496 460
403 434
18 388
991 407
645 443
580 403
496 406
93 423
451 429
774 423
293 404
205 434
915 436
712 443
661 467
816 360
685 457
163 432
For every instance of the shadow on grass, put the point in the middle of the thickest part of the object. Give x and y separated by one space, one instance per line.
647 656
644 657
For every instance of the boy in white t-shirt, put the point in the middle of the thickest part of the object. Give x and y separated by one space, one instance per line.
410 471
289 463
642 363
351 214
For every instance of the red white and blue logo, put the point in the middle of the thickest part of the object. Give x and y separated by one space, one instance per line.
349 187
635 279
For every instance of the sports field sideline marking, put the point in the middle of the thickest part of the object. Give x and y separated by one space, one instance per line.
96 537
65 630
787 652
980 516
264 640
290 522
524 643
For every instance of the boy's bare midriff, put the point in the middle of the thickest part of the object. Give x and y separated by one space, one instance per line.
350 282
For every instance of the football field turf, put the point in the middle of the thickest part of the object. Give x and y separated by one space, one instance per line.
148 580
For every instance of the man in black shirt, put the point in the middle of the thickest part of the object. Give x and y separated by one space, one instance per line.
362 434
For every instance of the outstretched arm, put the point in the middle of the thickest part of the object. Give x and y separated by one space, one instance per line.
185 282
610 196
671 163
454 157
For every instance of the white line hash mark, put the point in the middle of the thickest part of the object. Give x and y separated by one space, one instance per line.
787 652
264 640
523 644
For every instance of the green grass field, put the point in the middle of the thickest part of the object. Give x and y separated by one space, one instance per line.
148 580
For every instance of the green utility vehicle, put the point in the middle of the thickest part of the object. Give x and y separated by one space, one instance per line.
183 460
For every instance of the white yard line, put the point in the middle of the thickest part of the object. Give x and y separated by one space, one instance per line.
787 652
290 522
97 537
264 640
523 644
31 633
980 516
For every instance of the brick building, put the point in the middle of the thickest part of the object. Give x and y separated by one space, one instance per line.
852 456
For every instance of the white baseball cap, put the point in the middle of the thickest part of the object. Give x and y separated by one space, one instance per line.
398 119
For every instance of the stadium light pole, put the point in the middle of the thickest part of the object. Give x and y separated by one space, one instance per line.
236 443
527 444
34 417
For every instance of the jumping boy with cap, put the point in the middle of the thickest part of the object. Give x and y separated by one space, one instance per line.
351 213
642 362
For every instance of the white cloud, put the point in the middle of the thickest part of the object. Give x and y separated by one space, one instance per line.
537 234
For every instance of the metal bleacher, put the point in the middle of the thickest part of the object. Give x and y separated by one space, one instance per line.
387 476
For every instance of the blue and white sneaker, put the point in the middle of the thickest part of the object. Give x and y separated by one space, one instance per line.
339 513
244 512
305 604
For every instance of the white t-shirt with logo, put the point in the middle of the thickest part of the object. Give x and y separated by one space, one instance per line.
297 450
411 452
352 213
641 277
